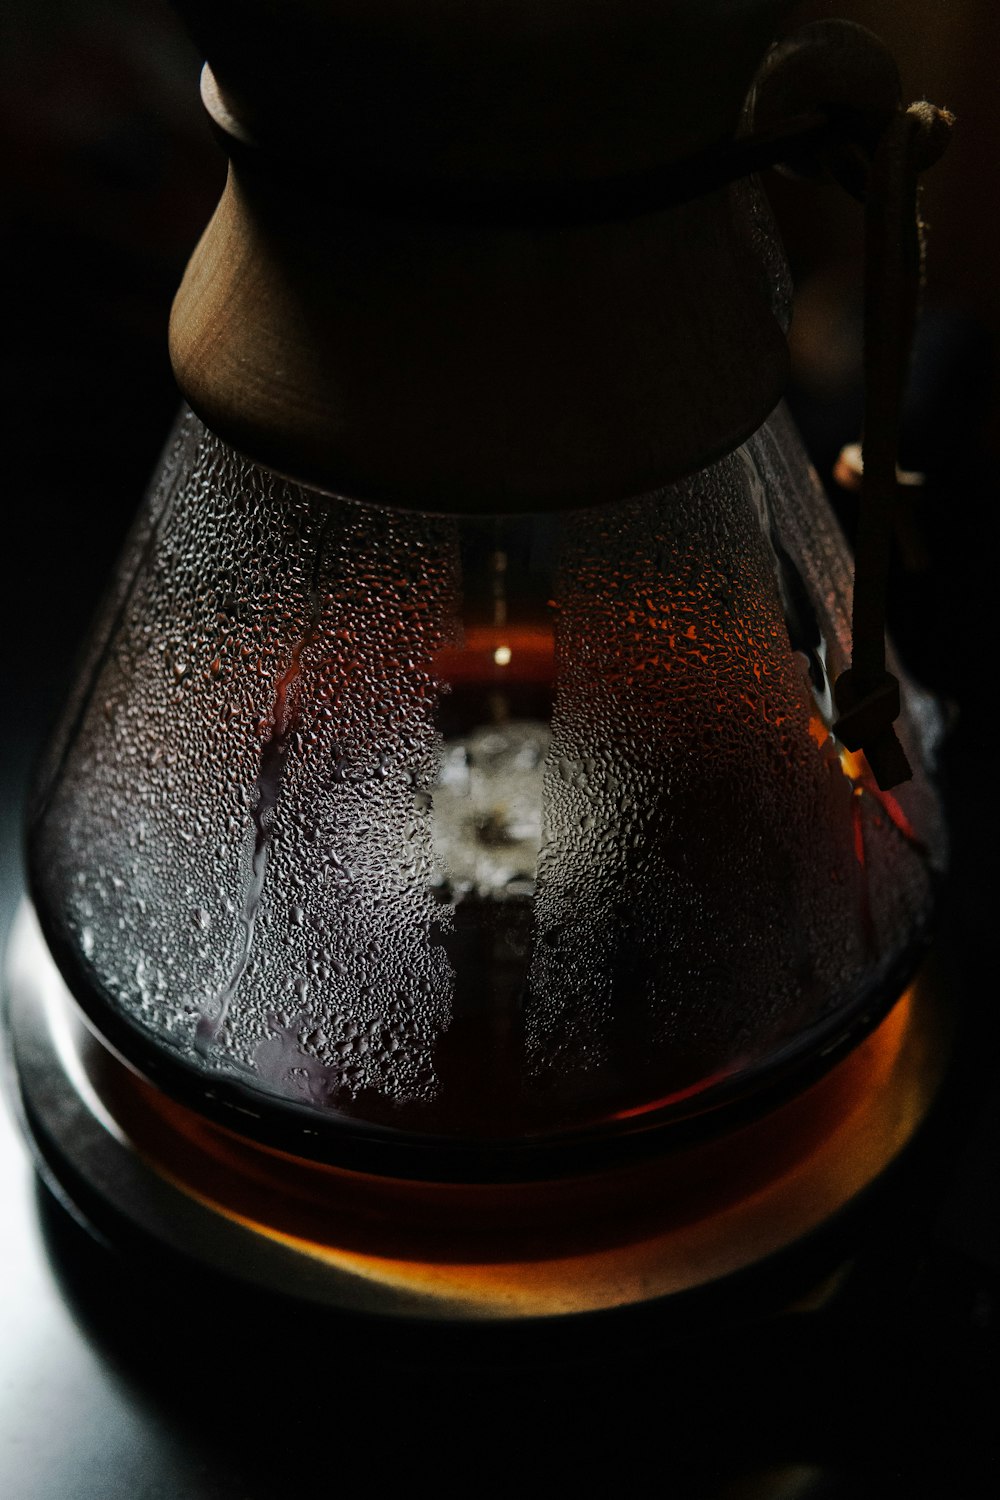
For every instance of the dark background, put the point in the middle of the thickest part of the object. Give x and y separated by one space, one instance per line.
108 174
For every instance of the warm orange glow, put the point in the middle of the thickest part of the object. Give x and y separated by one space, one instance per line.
678 1096
818 732
853 764
567 1244
859 831
896 814
521 653
856 769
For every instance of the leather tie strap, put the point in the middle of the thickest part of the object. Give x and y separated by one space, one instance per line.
867 695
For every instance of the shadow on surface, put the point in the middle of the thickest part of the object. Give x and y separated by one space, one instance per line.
884 1393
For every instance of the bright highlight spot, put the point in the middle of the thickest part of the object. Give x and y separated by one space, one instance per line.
502 655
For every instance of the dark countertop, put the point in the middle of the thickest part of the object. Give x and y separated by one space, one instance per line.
118 1382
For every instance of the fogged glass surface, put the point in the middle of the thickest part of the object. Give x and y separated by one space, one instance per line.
489 827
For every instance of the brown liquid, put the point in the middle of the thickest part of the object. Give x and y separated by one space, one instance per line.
649 1226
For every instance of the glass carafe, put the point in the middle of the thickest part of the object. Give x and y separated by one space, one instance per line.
448 839
479 833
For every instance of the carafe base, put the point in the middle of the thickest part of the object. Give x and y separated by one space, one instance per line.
689 1223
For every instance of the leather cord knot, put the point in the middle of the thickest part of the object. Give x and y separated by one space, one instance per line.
867 695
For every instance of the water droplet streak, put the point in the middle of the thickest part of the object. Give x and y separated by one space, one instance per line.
267 787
